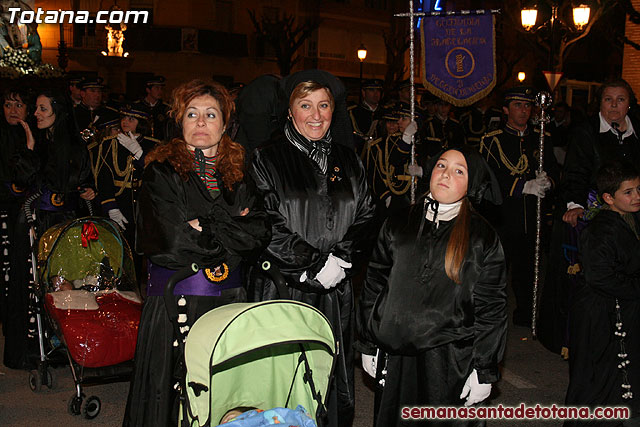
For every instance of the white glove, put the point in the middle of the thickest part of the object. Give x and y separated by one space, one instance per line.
414 170
543 180
370 363
130 143
117 217
409 131
532 187
473 391
387 201
333 272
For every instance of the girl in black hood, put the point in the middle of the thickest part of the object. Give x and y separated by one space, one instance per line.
434 301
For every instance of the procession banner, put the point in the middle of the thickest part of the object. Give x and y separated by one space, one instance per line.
459 57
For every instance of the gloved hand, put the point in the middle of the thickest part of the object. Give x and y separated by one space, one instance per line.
473 391
387 201
333 272
409 131
130 143
532 187
370 363
543 180
117 217
414 170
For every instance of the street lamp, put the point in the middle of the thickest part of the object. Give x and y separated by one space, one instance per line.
557 34
362 55
521 76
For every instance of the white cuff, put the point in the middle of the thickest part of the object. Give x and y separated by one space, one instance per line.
572 205
303 277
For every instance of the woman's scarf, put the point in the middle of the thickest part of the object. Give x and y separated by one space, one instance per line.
318 151
437 212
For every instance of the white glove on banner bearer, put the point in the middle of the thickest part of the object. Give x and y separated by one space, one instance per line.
117 217
333 272
543 180
409 131
532 187
130 143
474 391
370 363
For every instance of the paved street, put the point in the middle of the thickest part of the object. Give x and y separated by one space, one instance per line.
531 374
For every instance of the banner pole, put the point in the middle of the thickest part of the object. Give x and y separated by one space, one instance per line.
544 101
413 95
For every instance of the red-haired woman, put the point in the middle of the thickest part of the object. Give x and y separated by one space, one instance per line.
197 204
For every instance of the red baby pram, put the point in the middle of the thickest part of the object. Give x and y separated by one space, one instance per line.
86 279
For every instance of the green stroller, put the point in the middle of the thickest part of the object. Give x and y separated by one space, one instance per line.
268 354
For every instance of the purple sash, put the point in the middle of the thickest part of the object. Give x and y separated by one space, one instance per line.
198 284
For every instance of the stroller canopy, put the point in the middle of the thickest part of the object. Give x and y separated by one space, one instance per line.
249 354
85 247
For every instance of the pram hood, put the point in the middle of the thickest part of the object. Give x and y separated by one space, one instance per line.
90 250
248 354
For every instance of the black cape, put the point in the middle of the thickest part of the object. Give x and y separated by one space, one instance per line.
434 330
609 253
163 235
315 214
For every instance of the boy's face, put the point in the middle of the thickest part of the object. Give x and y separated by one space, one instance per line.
626 199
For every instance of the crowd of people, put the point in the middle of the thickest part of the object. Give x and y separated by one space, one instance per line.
285 170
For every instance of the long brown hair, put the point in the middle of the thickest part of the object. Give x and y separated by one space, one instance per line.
458 242
230 163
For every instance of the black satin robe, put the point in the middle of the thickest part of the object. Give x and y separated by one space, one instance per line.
315 214
610 258
434 330
59 166
163 235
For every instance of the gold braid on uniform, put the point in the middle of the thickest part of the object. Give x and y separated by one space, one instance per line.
389 173
127 173
520 167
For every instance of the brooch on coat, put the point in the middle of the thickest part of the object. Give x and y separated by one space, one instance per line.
334 176
217 274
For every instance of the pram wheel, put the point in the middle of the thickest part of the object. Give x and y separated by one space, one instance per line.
91 407
74 405
36 380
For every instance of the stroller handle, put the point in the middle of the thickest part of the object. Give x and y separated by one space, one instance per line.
176 277
274 273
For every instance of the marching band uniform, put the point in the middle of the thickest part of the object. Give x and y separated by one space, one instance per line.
386 160
513 156
441 135
88 118
159 111
363 118
475 123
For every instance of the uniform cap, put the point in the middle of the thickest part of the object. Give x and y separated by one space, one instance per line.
520 93
372 84
155 80
91 83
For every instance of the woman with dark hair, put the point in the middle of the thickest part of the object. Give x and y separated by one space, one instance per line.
198 205
53 166
609 136
432 314
316 194
12 136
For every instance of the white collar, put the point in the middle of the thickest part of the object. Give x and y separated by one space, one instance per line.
367 106
606 127
446 211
